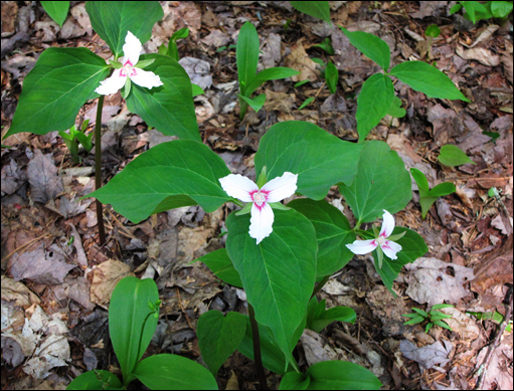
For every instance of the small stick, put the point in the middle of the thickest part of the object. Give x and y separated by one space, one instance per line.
492 347
184 310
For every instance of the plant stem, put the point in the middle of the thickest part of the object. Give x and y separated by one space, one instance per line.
98 168
243 107
320 285
128 379
257 349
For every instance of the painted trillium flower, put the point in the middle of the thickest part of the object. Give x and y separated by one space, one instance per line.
244 189
383 242
129 70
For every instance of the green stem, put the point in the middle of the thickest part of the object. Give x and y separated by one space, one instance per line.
129 377
98 168
243 107
257 349
320 285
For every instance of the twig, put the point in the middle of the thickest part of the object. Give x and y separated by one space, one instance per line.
482 370
23 246
184 310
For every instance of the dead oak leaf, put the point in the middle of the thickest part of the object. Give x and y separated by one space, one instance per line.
433 281
104 278
39 266
44 181
299 60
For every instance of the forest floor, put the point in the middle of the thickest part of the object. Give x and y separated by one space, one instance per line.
55 273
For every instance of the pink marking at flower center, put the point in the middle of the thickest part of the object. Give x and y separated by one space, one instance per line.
128 70
259 197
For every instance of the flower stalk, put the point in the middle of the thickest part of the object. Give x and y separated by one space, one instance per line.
98 168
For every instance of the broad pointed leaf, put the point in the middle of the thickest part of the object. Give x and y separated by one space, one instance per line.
423 77
278 274
413 247
112 19
172 372
97 379
221 265
382 182
372 46
58 10
331 76
168 108
421 180
373 103
273 358
442 189
255 103
294 381
318 317
321 160
396 110
219 336
450 155
247 55
333 232
341 375
127 312
317 9
268 74
54 91
170 175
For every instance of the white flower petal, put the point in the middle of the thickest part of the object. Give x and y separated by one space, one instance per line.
363 246
112 84
261 222
387 224
132 49
239 187
390 248
281 187
145 79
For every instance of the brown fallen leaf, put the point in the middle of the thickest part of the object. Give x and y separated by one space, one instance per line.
427 356
232 383
433 281
482 55
315 349
496 270
299 60
279 101
80 14
44 181
104 278
39 266
462 324
16 291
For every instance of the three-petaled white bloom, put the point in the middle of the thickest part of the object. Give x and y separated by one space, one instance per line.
389 247
128 70
244 189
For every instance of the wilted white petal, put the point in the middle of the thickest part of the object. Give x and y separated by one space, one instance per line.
363 246
112 84
390 248
387 224
238 186
261 222
145 78
280 187
131 49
